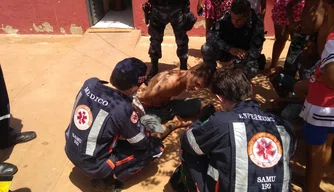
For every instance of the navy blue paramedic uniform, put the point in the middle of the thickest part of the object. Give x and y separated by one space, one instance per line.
244 150
101 116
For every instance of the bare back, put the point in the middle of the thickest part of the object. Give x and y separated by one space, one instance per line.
162 88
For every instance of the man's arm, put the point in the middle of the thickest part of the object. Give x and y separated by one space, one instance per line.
132 129
327 64
200 138
328 76
214 35
257 41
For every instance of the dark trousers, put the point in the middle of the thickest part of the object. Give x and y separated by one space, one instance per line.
211 54
177 107
160 17
130 161
195 170
5 131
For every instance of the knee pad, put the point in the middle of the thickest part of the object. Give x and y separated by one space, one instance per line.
206 48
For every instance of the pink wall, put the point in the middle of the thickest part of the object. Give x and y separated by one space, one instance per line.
198 29
43 16
71 17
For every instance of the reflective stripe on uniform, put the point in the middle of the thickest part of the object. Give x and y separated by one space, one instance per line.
285 137
213 172
241 157
193 143
140 136
95 131
5 117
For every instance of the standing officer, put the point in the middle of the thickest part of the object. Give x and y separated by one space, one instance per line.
8 135
176 12
240 149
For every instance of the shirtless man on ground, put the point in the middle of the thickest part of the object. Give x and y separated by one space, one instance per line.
156 98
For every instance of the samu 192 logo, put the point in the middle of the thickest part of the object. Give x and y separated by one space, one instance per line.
83 117
264 150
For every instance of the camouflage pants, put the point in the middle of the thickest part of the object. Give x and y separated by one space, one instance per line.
298 42
211 54
160 17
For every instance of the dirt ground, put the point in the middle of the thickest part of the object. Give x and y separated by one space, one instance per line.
43 75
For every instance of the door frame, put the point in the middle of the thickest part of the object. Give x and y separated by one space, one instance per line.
89 11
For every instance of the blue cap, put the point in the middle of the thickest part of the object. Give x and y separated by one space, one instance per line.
132 69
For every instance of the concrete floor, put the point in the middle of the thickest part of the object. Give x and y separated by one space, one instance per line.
43 75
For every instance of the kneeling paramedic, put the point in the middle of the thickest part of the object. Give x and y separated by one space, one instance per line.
240 149
105 138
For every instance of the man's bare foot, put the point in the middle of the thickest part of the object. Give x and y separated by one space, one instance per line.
179 122
176 123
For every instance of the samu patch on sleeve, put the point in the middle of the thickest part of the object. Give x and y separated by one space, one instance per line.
83 117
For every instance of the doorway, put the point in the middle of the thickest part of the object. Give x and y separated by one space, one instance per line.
109 14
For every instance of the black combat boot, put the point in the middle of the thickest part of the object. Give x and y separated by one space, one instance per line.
154 70
7 169
183 64
108 184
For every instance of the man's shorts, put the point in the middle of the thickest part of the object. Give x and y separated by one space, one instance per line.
285 81
183 108
316 135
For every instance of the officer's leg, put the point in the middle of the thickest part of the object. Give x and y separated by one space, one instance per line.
297 45
156 30
8 135
178 21
5 130
210 55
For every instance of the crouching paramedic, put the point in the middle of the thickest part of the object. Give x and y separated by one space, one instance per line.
240 149
102 115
